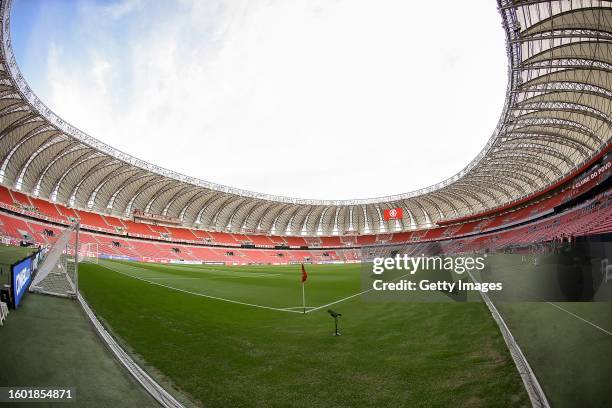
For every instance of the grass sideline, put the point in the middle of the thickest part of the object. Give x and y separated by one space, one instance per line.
230 354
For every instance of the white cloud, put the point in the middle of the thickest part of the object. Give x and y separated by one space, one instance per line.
122 8
325 99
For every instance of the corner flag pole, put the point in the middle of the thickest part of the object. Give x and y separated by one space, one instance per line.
303 298
304 277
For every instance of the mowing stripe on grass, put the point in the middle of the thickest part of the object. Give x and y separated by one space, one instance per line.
200 294
206 271
243 273
212 277
578 317
239 277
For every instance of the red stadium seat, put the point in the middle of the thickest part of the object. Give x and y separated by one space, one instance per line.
47 208
5 196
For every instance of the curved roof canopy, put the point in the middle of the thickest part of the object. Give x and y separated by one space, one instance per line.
557 116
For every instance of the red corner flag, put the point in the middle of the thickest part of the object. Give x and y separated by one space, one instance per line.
304 277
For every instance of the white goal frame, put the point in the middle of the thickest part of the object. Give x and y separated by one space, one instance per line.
58 274
88 253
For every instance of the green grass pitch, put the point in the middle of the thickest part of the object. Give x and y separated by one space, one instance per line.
235 336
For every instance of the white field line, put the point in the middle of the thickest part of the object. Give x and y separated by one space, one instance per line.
201 294
338 301
573 314
350 297
298 307
578 317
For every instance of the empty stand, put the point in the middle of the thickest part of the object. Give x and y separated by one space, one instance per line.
5 196
137 228
114 222
534 224
48 209
20 198
182 234
295 241
92 220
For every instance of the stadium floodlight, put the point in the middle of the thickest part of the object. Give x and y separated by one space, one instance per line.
335 316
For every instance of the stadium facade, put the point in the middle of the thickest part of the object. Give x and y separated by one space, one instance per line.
556 121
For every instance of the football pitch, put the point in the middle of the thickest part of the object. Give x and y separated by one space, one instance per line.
237 336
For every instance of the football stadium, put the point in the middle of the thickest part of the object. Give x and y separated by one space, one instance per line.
127 284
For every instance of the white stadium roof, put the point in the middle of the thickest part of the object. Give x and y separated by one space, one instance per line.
557 116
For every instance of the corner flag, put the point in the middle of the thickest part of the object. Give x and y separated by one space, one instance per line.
304 277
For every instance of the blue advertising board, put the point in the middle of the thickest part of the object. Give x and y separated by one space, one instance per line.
21 278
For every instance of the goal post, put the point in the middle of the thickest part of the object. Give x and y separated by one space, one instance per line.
88 252
58 272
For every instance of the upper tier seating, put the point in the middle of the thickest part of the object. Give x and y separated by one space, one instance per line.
137 228
92 220
202 235
160 230
114 222
181 234
5 196
278 240
68 212
21 198
261 240
367 239
223 238
331 242
48 209
295 241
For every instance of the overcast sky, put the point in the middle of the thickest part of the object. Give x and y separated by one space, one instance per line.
329 99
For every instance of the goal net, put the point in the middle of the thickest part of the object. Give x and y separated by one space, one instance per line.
88 252
58 272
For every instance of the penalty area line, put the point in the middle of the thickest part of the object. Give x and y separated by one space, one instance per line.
201 294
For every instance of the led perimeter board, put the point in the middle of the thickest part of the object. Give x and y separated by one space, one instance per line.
21 277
